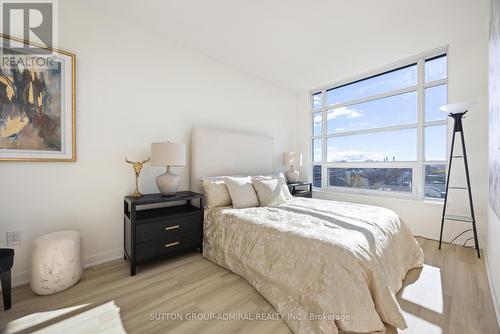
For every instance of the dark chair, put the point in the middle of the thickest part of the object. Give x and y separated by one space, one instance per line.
6 262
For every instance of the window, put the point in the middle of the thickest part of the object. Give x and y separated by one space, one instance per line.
317 176
435 181
388 111
396 145
384 132
397 179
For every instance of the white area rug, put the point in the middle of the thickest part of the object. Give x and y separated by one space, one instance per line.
104 319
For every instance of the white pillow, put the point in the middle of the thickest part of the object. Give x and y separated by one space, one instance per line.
242 192
269 192
222 177
216 193
282 181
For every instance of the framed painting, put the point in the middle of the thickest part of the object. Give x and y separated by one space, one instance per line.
37 103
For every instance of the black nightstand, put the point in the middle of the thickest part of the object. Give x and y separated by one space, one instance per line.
300 189
161 232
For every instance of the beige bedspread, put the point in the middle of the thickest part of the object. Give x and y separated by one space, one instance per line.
323 265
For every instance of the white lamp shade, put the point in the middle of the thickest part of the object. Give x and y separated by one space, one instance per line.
456 108
292 159
168 154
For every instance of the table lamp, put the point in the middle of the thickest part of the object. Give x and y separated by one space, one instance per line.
168 155
292 159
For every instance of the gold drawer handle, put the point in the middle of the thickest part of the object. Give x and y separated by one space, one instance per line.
168 228
172 244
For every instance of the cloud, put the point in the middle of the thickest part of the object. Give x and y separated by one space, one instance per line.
344 112
335 155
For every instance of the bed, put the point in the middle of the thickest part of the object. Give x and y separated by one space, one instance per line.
323 265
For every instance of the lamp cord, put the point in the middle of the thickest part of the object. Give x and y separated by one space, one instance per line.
466 243
468 230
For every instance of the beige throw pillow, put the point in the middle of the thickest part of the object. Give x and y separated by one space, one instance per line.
242 192
216 193
281 179
269 192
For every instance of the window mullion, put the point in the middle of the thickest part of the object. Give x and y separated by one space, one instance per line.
323 140
436 83
418 176
373 130
372 98
436 123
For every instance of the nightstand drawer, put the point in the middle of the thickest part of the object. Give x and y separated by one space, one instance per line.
183 225
306 194
300 189
170 244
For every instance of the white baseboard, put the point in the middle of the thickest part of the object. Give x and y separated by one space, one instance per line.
492 289
103 257
23 278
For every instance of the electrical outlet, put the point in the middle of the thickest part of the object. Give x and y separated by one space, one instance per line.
13 238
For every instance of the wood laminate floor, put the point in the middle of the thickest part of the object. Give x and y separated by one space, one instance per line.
450 295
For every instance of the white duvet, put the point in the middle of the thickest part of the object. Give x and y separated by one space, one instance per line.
324 266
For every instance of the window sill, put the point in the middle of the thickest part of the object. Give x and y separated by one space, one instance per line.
376 195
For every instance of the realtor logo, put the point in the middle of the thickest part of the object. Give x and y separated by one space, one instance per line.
32 22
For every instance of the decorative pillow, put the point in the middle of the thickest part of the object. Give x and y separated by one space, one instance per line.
282 181
242 192
269 192
216 193
221 177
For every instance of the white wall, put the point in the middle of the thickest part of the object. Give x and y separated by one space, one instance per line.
133 88
492 246
468 80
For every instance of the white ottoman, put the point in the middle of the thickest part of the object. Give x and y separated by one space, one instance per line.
56 262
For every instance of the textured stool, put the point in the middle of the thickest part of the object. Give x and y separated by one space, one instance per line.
56 262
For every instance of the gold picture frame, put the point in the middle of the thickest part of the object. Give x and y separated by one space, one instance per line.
65 115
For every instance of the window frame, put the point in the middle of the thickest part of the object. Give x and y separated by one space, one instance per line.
418 166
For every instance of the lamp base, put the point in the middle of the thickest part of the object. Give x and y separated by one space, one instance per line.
135 194
292 175
168 183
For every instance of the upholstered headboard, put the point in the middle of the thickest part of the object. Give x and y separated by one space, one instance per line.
216 152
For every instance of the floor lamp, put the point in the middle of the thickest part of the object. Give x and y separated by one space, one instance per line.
457 112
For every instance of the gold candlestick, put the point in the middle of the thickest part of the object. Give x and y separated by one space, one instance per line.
137 165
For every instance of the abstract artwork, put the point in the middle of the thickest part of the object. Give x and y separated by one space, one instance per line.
494 108
37 105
